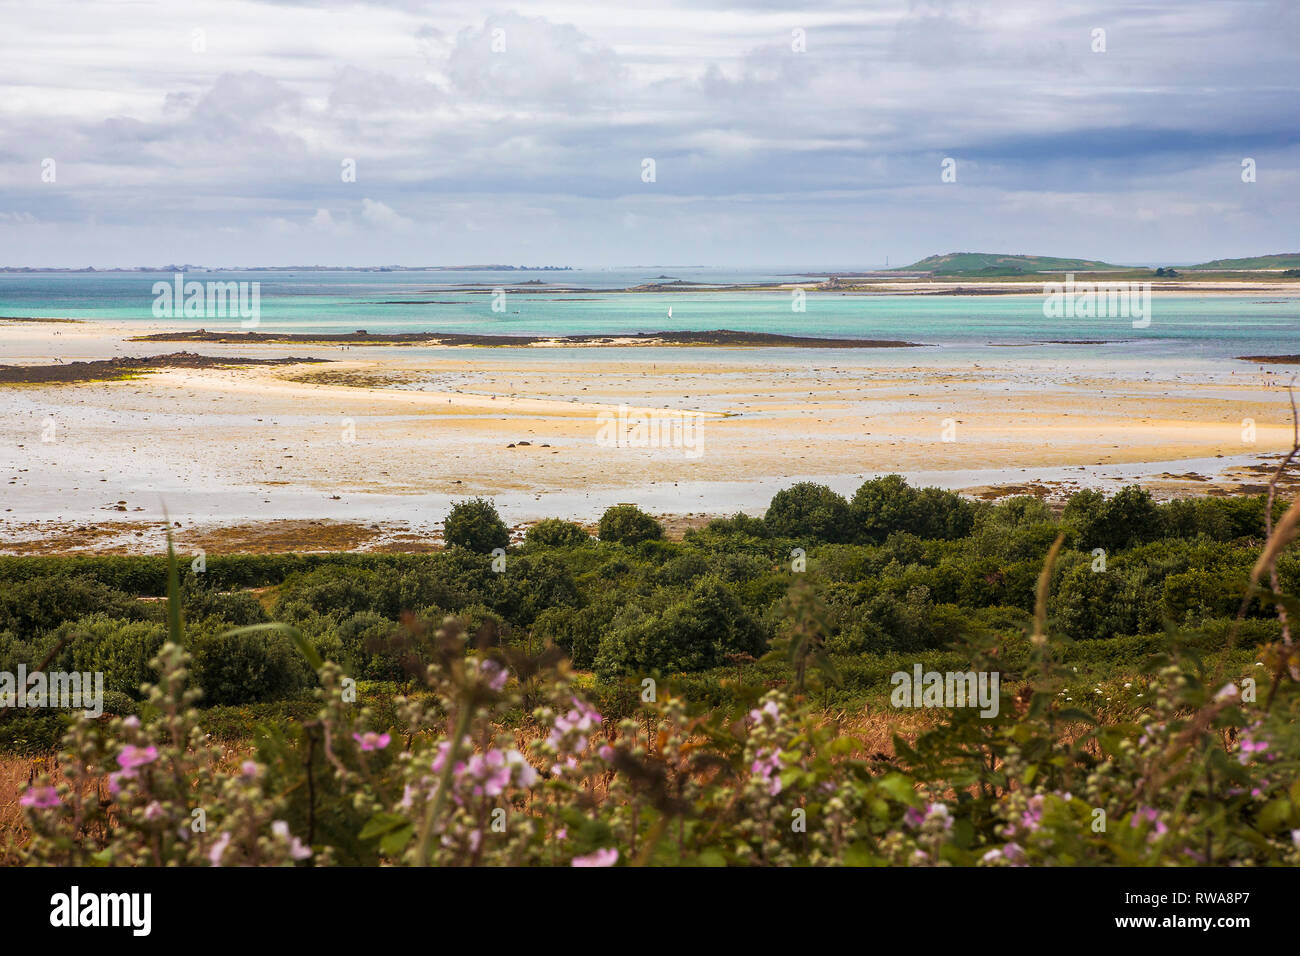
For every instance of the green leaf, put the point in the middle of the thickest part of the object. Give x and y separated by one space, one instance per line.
1275 813
295 635
898 787
381 824
175 627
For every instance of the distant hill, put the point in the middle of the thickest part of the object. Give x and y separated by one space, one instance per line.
1283 260
989 263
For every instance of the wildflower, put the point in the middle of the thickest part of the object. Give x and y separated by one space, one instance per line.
444 749
1251 745
153 811
524 773
582 718
1227 692
133 757
607 857
936 812
1032 818
132 722
489 773
494 674
770 708
297 849
250 769
40 798
218 848
939 812
372 741
768 769
1149 815
1014 852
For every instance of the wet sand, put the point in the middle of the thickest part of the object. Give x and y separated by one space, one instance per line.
381 440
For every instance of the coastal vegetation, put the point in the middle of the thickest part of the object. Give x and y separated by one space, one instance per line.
627 698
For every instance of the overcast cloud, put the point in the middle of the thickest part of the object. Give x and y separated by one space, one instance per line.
215 131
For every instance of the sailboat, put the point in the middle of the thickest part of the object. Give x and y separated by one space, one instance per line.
670 312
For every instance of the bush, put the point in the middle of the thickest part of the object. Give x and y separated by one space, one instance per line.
628 524
246 668
554 533
739 525
1129 518
695 632
809 512
884 506
476 526
121 650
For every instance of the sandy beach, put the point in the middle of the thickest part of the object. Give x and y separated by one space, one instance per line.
370 448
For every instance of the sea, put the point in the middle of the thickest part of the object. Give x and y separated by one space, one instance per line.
1183 328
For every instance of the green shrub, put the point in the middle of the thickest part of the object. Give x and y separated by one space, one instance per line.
243 668
476 526
628 524
694 632
121 650
810 513
554 533
1129 517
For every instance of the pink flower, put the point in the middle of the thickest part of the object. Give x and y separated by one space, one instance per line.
297 849
153 811
444 749
768 769
132 757
524 772
1032 818
250 769
489 773
1149 815
770 708
1227 692
607 857
40 798
372 741
582 718
494 674
218 848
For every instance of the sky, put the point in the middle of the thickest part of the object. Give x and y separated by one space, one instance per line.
314 132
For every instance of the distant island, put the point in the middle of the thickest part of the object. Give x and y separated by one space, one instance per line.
187 267
995 264
1283 261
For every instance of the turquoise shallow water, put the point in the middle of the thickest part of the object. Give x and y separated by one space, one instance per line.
1183 327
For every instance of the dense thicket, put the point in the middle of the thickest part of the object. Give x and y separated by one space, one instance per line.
898 570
